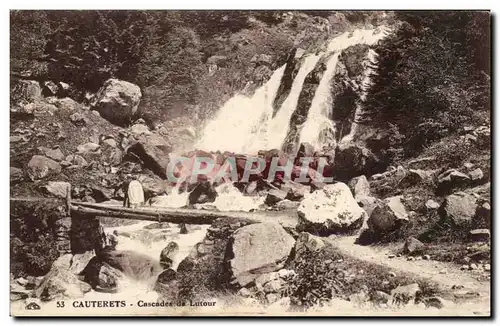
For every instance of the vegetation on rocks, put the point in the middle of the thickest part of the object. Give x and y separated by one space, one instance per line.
433 77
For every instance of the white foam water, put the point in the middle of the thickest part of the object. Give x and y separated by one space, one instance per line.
239 118
246 124
319 118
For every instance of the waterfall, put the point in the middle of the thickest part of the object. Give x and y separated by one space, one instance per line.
246 124
240 118
278 126
319 118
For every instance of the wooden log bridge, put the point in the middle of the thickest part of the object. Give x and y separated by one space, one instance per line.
77 209
175 215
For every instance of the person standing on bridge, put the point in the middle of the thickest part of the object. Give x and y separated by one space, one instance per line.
134 195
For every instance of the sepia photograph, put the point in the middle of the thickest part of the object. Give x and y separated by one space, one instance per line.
332 163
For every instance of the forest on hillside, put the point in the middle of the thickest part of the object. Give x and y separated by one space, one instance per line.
433 71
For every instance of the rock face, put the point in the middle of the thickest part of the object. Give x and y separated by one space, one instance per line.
16 175
167 283
40 167
332 209
257 249
26 90
359 186
476 174
117 100
458 208
353 160
206 265
167 255
60 283
154 151
483 214
80 261
388 215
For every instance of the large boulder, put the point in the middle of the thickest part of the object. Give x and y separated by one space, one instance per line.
88 148
49 88
154 152
405 294
60 283
139 129
257 249
458 208
352 160
117 100
479 235
206 265
359 186
40 167
388 215
330 210
483 135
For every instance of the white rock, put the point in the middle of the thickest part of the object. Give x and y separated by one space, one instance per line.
331 209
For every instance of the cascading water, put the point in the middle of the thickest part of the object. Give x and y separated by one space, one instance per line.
246 125
319 117
277 127
239 118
